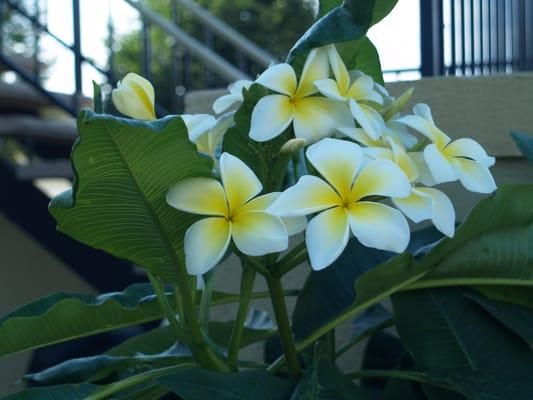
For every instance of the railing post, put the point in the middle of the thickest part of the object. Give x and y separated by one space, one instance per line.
146 50
77 52
431 37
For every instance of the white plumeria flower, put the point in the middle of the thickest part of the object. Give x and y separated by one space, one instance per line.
207 140
345 86
134 97
340 199
232 215
313 117
423 203
448 160
235 96
198 124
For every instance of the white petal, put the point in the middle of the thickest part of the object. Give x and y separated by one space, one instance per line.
442 211
469 148
257 233
204 196
309 195
400 131
224 102
133 102
326 237
279 78
330 89
239 181
474 176
338 161
369 119
363 89
316 67
270 117
198 124
417 207
424 175
206 242
440 167
236 87
381 178
295 225
359 135
422 110
379 226
317 117
404 161
339 69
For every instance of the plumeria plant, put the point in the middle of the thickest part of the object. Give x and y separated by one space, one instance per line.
313 165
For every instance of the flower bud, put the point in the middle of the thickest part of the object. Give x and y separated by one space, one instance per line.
292 146
134 97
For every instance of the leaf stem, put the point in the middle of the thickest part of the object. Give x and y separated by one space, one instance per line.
359 338
205 301
397 374
247 285
294 258
135 380
159 289
284 328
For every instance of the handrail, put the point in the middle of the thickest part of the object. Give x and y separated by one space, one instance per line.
217 63
226 32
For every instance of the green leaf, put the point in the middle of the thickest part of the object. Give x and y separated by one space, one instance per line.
95 368
516 318
62 392
382 8
97 98
349 21
525 144
329 292
325 6
65 316
323 381
200 384
450 336
260 157
366 59
511 294
123 170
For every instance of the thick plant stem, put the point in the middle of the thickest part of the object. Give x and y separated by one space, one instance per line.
205 301
159 289
282 320
247 285
205 355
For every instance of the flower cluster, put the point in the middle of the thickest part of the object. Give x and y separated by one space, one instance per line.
370 166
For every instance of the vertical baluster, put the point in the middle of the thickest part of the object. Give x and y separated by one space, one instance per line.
2 16
110 45
463 38
36 36
472 39
490 34
146 53
481 38
528 34
453 62
77 52
175 64
209 42
521 23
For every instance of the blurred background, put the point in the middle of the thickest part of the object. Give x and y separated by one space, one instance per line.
468 58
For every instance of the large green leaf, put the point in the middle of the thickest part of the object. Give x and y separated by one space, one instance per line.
200 384
346 22
323 381
65 316
451 336
96 368
62 392
524 142
491 247
123 170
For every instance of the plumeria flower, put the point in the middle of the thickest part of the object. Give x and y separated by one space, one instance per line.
234 96
206 131
341 199
423 203
313 117
134 97
231 213
448 160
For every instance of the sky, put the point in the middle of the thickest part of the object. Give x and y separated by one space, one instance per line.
397 39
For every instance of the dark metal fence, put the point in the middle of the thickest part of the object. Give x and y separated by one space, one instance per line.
472 37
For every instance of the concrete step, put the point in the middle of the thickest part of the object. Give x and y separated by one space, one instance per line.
60 132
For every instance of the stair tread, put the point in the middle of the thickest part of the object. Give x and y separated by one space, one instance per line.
61 168
20 125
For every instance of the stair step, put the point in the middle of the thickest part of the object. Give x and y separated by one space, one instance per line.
39 129
44 169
